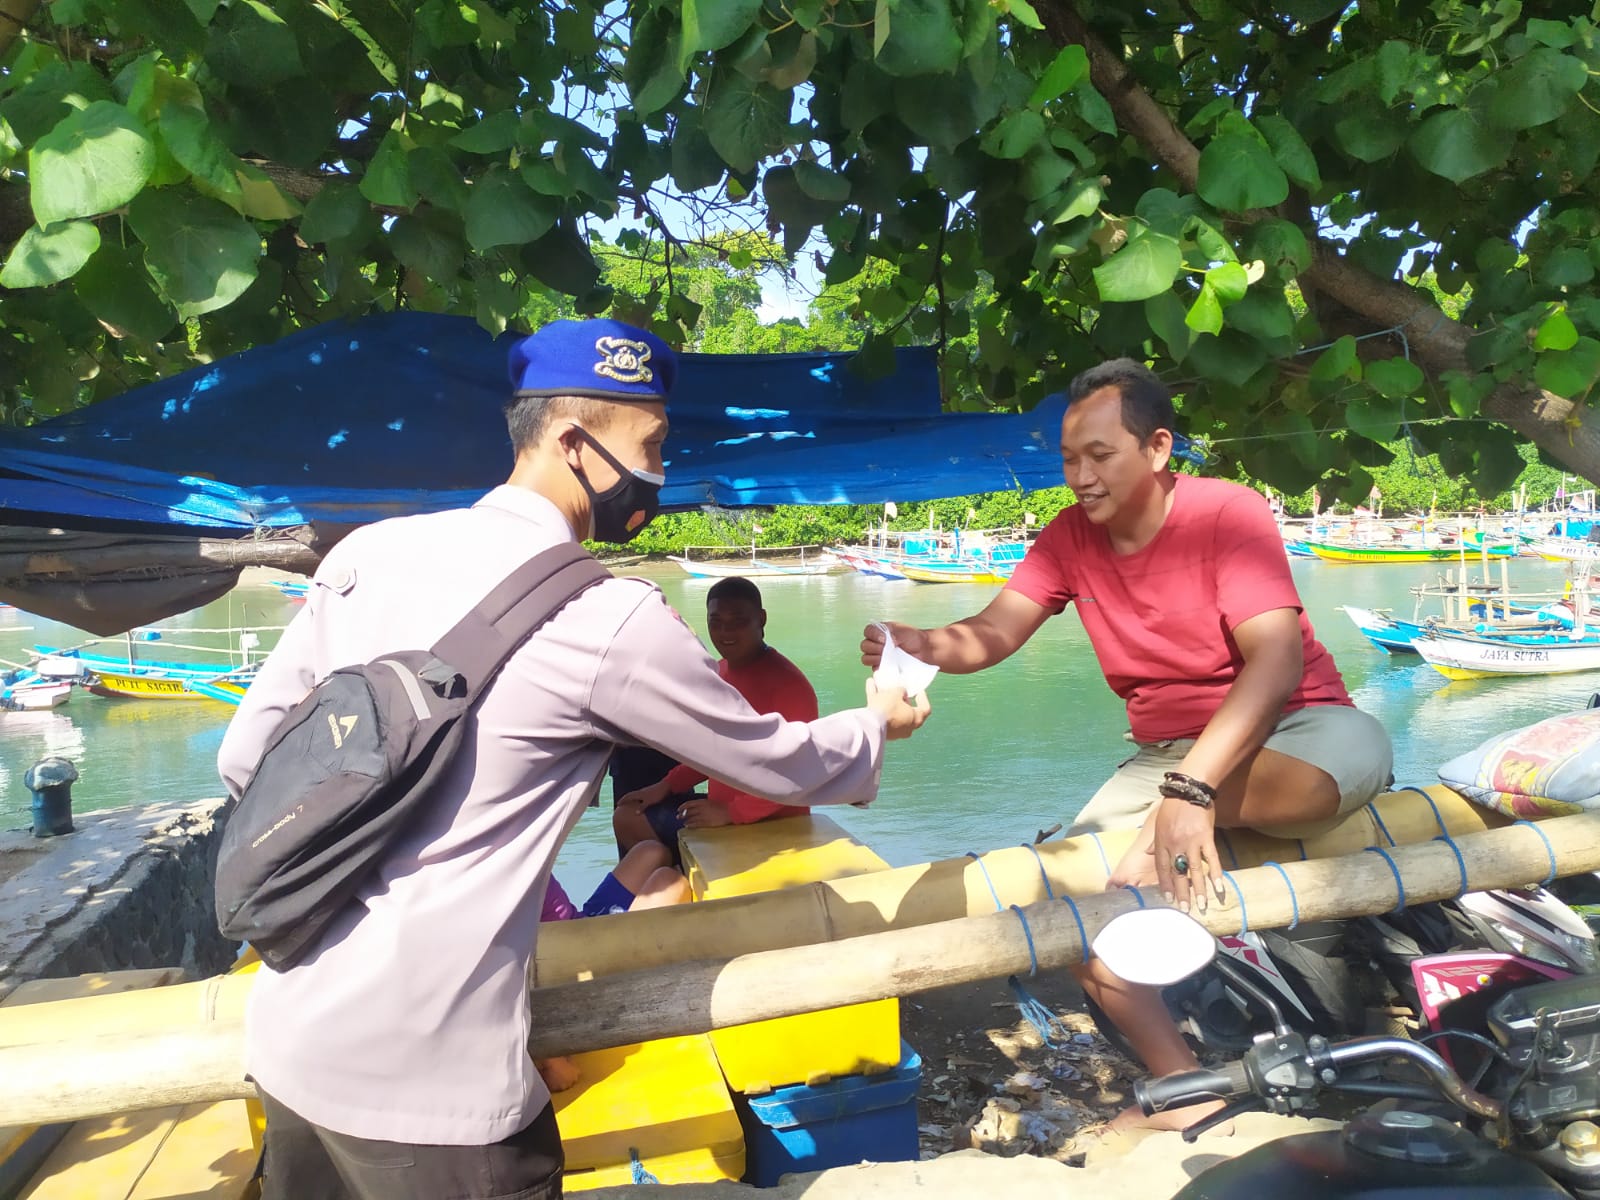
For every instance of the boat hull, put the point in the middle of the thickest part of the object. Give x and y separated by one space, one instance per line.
1386 633
1458 657
748 570
35 697
1329 552
141 687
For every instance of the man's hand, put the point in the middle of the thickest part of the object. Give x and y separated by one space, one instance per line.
1189 830
910 639
703 814
558 1074
1137 868
901 718
642 798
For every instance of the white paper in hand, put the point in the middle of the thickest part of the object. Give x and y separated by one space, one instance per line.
898 669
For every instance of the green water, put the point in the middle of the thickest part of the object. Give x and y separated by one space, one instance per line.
1006 752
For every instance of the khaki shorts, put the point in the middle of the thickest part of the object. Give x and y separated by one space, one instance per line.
1344 743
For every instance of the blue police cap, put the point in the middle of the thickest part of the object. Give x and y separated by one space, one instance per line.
601 358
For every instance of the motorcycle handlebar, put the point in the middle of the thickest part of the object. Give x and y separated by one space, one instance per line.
1190 1087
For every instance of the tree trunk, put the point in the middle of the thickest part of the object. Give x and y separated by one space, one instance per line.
1568 433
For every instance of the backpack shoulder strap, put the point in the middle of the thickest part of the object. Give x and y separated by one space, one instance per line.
481 642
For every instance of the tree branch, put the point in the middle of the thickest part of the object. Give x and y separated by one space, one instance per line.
1568 432
14 18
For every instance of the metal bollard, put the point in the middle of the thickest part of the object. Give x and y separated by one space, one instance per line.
50 780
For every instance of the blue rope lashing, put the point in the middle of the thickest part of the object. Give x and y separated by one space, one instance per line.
1437 816
1027 932
1083 934
1382 828
1048 891
1548 849
1460 860
1105 862
1034 1012
973 856
1294 900
641 1175
1137 894
1225 843
1399 884
1244 913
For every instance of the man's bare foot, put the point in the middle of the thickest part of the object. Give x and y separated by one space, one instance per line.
1131 1119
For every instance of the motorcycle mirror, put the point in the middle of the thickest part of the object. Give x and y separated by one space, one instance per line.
1155 946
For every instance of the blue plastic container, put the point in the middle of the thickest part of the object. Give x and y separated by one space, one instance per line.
857 1118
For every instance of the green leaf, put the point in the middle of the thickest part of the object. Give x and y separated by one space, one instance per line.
922 38
1570 373
1144 267
437 179
1537 88
49 255
1094 110
1290 151
1556 332
1566 267
503 211
260 198
560 259
1369 136
1395 378
746 121
201 253
1238 173
1082 199
1064 73
652 69
334 212
495 302
10 147
1015 135
493 134
253 47
1228 281
1338 361
875 359
1452 144
1375 419
1205 314
1165 211
713 24
1551 33
387 180
1262 313
429 244
115 287
1393 63
194 142
1169 322
1044 174
93 161
820 183
790 204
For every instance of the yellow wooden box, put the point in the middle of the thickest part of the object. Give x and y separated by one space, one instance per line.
663 1102
809 1048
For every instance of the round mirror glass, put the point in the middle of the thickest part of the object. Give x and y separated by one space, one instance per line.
1154 946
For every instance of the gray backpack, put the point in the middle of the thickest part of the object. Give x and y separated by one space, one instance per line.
352 763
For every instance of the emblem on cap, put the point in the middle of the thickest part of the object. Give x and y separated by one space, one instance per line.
623 359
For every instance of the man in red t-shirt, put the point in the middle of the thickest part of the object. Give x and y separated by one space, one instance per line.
1238 712
769 682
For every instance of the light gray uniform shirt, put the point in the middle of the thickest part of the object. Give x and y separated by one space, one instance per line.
409 1021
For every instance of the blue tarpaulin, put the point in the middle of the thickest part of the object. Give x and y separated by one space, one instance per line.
352 422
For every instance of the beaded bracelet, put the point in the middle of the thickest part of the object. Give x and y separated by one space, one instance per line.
1186 787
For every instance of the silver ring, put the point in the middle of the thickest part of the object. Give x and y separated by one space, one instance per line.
1180 864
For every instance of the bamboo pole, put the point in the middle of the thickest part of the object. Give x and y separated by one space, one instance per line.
909 896
96 1068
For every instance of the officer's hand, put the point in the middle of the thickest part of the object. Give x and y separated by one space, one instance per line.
644 797
703 814
909 638
901 718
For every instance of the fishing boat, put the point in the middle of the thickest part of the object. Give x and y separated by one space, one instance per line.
292 589
820 563
1565 549
868 562
1459 655
28 691
132 677
1386 632
958 571
1362 553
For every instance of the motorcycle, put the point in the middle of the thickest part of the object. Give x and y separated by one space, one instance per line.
1524 1131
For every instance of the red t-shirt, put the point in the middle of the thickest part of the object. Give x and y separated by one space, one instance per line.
771 684
1161 619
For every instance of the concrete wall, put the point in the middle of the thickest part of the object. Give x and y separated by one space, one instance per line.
130 887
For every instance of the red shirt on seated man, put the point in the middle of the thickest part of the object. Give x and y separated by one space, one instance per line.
769 682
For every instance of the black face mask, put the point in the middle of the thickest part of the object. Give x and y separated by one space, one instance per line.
627 506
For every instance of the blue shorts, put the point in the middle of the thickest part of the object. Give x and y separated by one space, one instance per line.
610 897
